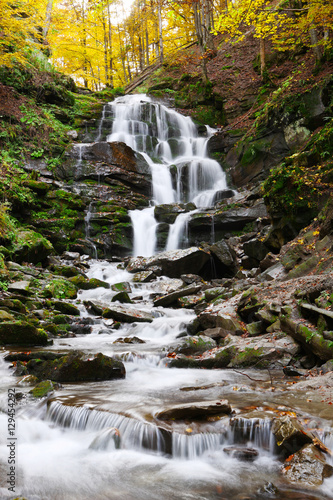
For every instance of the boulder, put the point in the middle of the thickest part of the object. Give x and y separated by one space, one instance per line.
225 257
194 411
119 313
76 367
173 263
307 467
170 298
194 346
21 333
21 287
31 247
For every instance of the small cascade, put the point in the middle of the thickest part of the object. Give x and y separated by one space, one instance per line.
78 151
178 160
133 433
87 229
254 430
178 233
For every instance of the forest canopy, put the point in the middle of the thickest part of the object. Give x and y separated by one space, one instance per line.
107 42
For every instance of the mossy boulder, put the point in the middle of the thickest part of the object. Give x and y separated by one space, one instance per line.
60 289
42 389
21 333
195 345
76 367
83 283
31 247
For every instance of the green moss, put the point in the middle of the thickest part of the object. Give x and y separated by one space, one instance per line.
60 289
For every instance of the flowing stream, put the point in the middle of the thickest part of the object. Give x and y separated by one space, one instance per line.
102 440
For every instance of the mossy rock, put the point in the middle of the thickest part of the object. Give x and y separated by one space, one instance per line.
61 319
13 305
75 367
83 283
6 316
42 389
66 308
31 247
121 287
21 333
195 345
122 297
60 289
38 187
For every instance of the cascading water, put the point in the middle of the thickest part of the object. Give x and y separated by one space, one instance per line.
105 440
177 156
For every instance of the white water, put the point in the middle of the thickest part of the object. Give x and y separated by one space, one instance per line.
169 142
67 450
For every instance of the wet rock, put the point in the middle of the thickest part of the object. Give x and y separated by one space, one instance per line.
173 263
193 346
290 436
188 279
195 411
127 315
121 287
144 276
21 333
169 212
223 195
170 298
307 467
122 297
242 454
327 367
71 256
255 328
225 257
83 283
76 367
66 308
213 293
129 340
42 389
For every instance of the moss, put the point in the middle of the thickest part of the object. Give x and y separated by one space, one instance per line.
42 389
60 289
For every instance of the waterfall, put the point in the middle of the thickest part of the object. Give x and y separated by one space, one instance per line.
87 228
177 156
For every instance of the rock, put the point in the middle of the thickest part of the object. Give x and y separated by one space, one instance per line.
170 298
71 256
255 328
76 367
42 389
66 308
121 287
193 346
188 279
327 367
195 411
31 247
223 195
307 467
5 316
225 256
144 276
190 301
21 333
129 340
21 287
215 333
169 212
173 263
122 297
212 293
255 249
243 454
127 315
289 435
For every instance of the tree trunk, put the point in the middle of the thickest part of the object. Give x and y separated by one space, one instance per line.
314 43
160 32
262 57
47 19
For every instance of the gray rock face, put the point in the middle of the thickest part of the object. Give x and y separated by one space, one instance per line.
120 313
173 263
169 212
